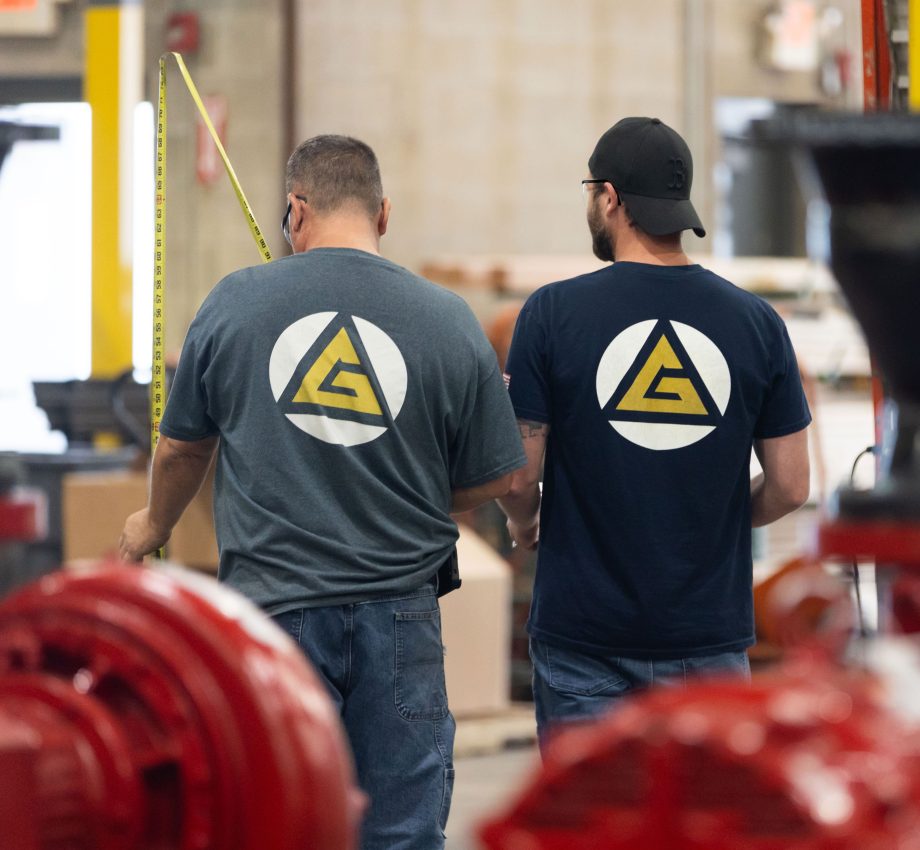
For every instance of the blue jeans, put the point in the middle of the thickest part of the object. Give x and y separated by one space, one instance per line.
571 686
383 664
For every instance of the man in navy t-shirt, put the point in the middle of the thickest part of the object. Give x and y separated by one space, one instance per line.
645 385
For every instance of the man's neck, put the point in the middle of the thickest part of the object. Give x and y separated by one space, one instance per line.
343 232
638 247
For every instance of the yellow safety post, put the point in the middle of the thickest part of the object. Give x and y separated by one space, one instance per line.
113 85
913 53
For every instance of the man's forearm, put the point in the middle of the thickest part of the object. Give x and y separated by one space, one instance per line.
522 505
176 477
179 467
783 485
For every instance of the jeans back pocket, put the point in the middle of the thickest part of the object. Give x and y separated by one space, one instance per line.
421 692
577 673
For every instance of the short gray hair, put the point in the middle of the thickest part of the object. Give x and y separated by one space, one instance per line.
334 171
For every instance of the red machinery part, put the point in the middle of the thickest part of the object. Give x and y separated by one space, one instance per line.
156 710
905 603
890 542
807 760
876 58
23 515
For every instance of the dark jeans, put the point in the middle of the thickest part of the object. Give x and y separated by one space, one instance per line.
383 663
570 686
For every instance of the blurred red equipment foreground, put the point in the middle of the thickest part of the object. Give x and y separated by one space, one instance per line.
155 710
807 760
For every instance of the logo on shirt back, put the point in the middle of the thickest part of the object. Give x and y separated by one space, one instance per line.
663 384
337 377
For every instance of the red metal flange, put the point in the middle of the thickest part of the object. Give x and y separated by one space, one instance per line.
807 760
160 710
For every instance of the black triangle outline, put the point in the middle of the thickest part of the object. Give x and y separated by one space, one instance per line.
663 328
286 401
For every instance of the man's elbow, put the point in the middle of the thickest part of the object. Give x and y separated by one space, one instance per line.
193 450
520 483
501 486
795 494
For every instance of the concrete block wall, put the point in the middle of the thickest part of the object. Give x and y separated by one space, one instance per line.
207 236
484 112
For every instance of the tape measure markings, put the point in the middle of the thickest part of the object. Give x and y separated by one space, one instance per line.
157 376
158 369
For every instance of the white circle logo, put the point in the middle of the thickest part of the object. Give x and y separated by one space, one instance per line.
663 385
337 377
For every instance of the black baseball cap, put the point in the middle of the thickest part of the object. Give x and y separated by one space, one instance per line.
651 168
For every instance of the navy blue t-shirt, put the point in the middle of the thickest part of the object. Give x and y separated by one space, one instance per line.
655 381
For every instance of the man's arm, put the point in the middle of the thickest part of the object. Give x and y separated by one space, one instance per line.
178 469
782 487
467 498
522 502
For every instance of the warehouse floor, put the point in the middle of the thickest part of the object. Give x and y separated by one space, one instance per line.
482 786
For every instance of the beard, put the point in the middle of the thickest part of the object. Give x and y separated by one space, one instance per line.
601 243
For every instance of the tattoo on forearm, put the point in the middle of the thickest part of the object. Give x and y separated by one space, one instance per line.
529 428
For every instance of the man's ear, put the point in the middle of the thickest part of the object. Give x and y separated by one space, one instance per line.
611 199
383 217
606 200
300 213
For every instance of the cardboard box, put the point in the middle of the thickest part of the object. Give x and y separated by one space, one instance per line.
476 629
95 505
476 619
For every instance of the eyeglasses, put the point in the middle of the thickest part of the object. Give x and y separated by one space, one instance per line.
586 183
285 224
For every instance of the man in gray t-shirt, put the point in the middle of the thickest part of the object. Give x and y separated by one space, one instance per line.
355 407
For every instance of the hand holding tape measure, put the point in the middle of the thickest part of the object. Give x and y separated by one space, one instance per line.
157 382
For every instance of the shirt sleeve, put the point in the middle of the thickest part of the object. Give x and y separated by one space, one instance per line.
785 409
488 443
527 370
186 416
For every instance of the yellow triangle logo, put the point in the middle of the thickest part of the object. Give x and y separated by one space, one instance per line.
650 393
355 390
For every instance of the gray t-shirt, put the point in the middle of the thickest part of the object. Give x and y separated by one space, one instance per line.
350 397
